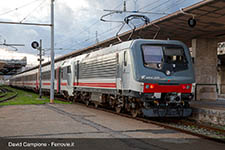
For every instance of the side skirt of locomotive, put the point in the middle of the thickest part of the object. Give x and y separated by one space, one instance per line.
132 102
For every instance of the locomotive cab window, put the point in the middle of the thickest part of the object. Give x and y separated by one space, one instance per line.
153 56
174 55
164 57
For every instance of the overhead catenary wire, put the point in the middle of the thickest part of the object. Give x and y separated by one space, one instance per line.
16 9
154 2
123 22
98 35
78 33
89 27
157 5
177 4
102 33
161 4
42 2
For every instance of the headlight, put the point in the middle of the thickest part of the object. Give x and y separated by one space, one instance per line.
151 86
188 87
168 72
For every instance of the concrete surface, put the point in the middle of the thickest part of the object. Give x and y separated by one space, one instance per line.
76 121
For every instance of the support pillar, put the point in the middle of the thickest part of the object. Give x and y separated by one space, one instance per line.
205 53
221 82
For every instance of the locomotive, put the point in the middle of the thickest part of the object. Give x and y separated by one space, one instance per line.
142 77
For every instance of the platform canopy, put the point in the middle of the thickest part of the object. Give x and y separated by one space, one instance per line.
2 64
209 14
11 66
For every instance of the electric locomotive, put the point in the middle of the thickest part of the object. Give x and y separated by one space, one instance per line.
149 77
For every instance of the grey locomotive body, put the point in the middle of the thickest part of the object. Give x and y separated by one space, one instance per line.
153 77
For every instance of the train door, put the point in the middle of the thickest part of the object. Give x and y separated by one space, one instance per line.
76 73
58 78
118 72
69 80
125 71
68 71
37 78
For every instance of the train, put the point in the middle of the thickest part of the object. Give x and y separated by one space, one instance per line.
152 78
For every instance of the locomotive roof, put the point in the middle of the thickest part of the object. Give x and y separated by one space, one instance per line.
122 45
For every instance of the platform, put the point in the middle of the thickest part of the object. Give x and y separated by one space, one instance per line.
81 122
209 111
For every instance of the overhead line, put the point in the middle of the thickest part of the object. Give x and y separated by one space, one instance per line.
33 10
118 25
78 33
101 33
156 1
180 1
16 9
90 25
94 37
161 4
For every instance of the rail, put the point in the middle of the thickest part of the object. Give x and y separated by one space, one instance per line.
6 91
3 92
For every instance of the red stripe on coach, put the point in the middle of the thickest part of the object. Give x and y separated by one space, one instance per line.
107 85
46 83
64 84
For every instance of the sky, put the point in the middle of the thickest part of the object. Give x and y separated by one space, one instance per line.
77 23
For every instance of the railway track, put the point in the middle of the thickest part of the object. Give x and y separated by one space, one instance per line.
4 97
3 92
181 125
197 129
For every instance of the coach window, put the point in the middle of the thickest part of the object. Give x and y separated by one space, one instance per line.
55 74
43 75
48 75
62 73
64 70
68 74
75 69
68 69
